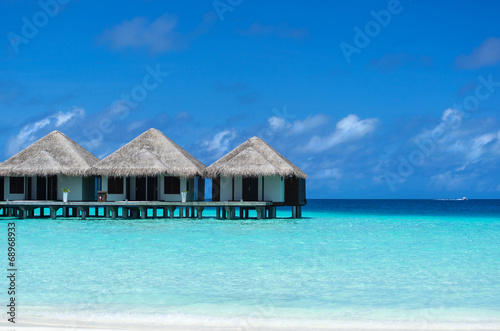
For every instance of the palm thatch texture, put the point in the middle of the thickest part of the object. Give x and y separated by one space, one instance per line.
52 154
251 159
151 153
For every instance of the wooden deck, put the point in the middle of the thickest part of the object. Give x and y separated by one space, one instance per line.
139 209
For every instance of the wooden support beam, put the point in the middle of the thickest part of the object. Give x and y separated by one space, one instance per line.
82 211
199 211
143 211
53 212
114 212
261 212
231 211
23 213
171 211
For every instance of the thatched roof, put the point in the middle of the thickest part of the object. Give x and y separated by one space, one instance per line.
254 158
50 155
151 153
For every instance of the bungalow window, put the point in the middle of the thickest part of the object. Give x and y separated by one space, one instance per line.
172 185
115 185
16 185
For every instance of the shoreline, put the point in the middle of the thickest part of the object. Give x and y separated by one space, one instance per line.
110 321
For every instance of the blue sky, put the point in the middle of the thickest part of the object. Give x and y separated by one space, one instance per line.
372 99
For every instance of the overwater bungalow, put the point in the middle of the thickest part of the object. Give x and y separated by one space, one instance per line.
254 171
43 169
151 168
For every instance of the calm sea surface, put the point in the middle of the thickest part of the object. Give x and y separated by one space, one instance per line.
377 262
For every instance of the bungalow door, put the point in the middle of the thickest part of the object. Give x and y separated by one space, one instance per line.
41 188
152 188
250 188
52 188
140 189
1 189
215 188
29 193
127 189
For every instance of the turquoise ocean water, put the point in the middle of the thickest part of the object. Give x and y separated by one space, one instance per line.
373 263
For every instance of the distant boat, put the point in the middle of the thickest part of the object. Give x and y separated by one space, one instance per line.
463 199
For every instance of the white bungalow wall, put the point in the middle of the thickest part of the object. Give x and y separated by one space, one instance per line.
238 188
274 188
8 195
81 188
226 188
114 197
177 197
161 195
73 184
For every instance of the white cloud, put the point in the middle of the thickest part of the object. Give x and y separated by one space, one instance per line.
333 173
496 147
477 145
442 133
220 142
63 117
448 181
158 36
453 136
135 125
120 108
347 129
277 123
29 133
487 54
308 124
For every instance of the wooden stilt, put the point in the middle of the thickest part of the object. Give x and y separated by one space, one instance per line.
53 212
23 213
261 212
171 210
143 211
230 212
199 211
